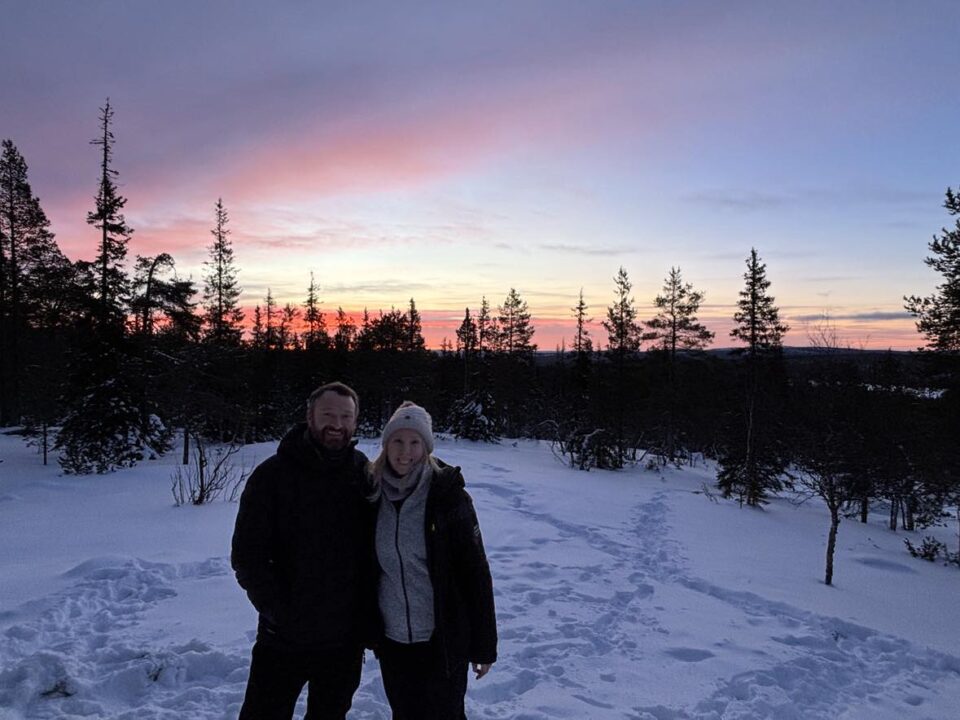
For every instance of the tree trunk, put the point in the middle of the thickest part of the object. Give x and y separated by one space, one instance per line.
894 512
186 447
832 542
864 509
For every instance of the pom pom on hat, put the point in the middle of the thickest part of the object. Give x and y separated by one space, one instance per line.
410 416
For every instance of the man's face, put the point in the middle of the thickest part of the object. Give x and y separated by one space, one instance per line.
332 420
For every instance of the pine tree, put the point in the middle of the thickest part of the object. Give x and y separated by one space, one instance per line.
287 338
514 327
582 344
486 329
258 335
107 217
346 334
938 315
583 354
364 340
757 319
467 341
414 330
159 299
316 336
752 459
624 336
675 327
111 421
222 316
26 250
467 336
270 322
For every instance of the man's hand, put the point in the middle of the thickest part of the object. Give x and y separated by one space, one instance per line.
481 669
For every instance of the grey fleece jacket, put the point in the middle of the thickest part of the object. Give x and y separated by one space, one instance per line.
405 592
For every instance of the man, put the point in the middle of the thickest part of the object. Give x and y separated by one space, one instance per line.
301 549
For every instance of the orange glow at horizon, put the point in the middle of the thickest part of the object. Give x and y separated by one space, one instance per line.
552 332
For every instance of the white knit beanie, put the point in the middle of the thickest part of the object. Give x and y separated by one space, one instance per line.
410 417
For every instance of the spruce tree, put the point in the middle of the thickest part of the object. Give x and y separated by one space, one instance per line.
270 321
486 329
111 422
345 337
258 336
582 361
107 217
938 315
467 336
316 336
624 336
582 344
757 319
27 249
287 338
222 316
752 459
414 330
467 340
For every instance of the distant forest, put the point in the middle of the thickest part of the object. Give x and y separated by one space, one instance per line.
108 361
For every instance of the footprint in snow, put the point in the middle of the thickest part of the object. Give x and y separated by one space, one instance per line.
690 655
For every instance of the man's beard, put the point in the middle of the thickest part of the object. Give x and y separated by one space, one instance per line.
332 438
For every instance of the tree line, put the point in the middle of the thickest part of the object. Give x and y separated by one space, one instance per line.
107 360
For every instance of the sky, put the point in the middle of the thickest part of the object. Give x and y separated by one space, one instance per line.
449 151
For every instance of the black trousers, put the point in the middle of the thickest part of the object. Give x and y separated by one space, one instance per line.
278 674
417 684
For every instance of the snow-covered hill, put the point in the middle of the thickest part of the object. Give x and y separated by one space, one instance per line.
621 595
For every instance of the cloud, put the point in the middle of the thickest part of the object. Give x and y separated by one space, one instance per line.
877 315
750 200
737 200
585 250
831 278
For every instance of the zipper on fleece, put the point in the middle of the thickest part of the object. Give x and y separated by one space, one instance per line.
403 579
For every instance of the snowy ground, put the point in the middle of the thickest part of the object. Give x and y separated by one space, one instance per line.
627 595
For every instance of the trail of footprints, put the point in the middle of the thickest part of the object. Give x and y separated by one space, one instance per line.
66 659
550 623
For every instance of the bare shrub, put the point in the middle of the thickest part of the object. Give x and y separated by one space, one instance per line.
208 476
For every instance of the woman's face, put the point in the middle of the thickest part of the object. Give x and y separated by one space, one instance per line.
404 451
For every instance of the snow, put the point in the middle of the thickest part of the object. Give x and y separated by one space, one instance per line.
631 595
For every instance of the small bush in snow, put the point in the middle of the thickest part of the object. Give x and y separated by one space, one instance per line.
585 449
931 549
470 418
207 476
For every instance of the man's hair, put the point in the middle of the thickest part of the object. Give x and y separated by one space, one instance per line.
335 387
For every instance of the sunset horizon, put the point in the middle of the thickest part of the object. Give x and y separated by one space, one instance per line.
448 154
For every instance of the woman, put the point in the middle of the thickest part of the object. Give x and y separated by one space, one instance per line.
434 590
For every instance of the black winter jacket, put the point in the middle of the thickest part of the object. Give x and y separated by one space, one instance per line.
466 625
301 545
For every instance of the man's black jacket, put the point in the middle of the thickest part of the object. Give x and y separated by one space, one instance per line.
301 545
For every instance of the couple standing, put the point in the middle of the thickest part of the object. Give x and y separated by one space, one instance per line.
337 553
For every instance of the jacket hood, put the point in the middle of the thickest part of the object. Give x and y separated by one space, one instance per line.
448 478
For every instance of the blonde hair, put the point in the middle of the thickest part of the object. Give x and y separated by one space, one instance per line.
375 466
